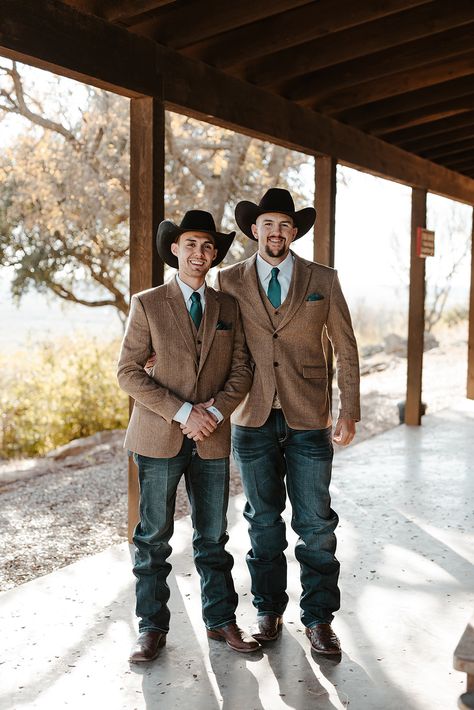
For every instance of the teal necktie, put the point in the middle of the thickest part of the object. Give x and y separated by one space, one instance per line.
196 309
274 289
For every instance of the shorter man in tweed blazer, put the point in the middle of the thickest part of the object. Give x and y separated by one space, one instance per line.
200 375
282 429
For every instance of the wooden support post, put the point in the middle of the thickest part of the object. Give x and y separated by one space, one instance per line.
325 230
470 340
325 204
147 176
416 314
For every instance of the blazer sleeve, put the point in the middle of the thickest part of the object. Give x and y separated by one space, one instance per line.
341 335
240 376
135 351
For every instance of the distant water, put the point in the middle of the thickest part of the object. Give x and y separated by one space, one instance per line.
42 318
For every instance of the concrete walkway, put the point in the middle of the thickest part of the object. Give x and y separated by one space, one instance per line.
406 545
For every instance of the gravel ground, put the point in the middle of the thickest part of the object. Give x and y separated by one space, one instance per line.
56 512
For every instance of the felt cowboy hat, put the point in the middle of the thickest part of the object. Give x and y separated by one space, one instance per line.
274 200
193 221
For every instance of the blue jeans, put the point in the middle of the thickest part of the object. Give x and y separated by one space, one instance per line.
267 455
207 484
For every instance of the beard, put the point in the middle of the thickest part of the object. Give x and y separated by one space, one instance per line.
269 251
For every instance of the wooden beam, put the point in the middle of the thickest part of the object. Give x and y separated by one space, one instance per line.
188 24
385 87
357 42
416 314
325 184
147 187
407 136
430 100
451 149
126 10
325 204
409 57
458 161
316 19
439 140
470 338
53 36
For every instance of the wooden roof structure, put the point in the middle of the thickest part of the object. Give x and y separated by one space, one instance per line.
384 85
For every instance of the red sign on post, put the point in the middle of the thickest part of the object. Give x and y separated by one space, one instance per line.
425 242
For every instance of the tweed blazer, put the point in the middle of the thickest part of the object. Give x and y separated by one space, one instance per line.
159 321
290 357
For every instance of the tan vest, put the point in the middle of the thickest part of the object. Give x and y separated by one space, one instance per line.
276 317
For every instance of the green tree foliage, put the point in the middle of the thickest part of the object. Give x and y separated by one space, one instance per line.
55 392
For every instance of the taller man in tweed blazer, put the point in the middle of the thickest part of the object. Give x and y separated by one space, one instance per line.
200 375
282 429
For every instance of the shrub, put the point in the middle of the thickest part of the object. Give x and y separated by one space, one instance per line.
57 391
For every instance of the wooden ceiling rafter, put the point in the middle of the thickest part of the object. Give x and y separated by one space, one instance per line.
415 57
126 11
445 151
184 25
428 101
290 29
395 85
406 136
440 139
356 42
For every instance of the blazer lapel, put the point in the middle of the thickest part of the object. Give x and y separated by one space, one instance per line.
298 288
252 292
181 316
209 323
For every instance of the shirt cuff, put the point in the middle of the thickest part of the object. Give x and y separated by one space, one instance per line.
216 413
183 413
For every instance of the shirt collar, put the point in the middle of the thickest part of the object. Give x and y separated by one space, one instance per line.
187 291
264 268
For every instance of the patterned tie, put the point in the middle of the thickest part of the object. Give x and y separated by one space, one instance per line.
274 289
196 309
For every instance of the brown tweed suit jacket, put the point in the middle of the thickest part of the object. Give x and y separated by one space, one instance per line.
290 359
159 321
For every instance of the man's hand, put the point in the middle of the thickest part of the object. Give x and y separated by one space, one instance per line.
201 423
344 432
150 363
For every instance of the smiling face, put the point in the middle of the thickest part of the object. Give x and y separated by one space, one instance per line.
274 232
195 252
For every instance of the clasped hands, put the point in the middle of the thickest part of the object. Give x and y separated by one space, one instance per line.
200 423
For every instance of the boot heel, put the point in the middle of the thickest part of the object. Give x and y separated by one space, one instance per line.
214 635
162 641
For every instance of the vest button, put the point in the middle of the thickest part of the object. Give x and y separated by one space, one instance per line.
275 335
275 364
277 313
199 342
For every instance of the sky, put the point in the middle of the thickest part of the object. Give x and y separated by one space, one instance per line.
372 245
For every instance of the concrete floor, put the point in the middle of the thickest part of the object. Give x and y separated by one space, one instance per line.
406 545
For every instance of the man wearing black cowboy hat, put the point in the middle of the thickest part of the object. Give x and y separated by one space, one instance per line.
282 429
201 373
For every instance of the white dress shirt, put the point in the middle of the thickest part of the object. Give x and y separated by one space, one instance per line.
184 411
264 271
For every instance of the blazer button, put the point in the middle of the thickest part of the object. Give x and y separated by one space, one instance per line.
199 342
275 335
275 364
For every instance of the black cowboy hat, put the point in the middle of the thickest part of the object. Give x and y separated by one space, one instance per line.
274 200
193 221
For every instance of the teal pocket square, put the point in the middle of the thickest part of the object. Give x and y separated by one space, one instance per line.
223 326
315 297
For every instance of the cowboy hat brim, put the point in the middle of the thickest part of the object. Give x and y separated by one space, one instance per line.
168 232
246 214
